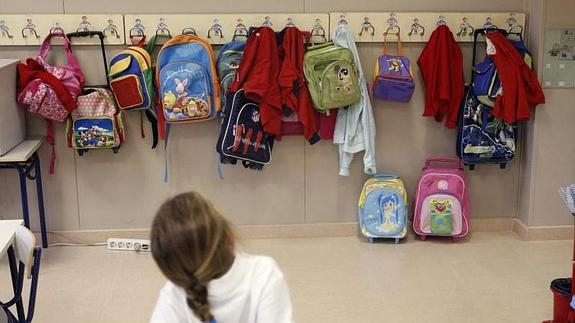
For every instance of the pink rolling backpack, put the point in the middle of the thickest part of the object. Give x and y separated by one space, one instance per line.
442 200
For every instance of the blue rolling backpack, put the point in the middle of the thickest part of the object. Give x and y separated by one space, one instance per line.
482 138
382 208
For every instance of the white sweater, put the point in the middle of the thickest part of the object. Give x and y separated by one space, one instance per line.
252 291
355 126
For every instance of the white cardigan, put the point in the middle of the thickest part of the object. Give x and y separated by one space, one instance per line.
355 126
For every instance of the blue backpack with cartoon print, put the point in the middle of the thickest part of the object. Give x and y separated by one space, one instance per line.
188 86
382 208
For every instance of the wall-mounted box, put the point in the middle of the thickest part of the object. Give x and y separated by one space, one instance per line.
12 121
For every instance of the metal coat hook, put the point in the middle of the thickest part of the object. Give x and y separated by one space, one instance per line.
30 28
267 22
465 29
342 20
367 27
111 29
441 21
56 29
84 25
518 29
416 28
162 29
241 30
5 30
189 31
318 30
216 28
393 27
289 22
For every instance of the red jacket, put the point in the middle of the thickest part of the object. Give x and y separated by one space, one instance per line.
257 75
441 65
520 87
294 91
32 70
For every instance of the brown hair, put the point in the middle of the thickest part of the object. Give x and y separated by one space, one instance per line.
192 243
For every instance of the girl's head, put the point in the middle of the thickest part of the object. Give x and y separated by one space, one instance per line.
192 243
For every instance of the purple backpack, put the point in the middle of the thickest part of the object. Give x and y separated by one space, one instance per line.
393 78
442 199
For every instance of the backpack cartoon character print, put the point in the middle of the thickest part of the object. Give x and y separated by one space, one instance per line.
345 83
388 213
394 65
181 105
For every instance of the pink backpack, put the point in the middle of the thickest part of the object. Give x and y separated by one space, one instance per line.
442 199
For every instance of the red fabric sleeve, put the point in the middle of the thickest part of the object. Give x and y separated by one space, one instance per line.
457 83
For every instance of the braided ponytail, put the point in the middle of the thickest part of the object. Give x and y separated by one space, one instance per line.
192 243
197 299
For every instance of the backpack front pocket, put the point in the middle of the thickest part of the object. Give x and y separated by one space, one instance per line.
94 132
339 85
186 92
383 214
128 91
441 214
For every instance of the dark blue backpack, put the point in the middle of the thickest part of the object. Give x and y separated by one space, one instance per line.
242 136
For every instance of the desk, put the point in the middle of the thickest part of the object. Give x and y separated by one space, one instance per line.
7 235
24 158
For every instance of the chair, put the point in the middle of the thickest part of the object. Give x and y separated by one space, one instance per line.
28 256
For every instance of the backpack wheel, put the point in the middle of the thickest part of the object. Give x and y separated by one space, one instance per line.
370 240
396 240
471 166
81 152
455 239
115 150
422 238
503 165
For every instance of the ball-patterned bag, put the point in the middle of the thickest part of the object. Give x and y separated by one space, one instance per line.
96 123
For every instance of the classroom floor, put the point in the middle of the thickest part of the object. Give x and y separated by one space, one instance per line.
493 277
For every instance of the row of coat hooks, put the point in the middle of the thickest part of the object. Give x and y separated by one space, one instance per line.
221 28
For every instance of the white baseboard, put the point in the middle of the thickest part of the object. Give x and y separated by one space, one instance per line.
283 231
540 233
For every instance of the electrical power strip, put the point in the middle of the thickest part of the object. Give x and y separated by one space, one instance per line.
128 244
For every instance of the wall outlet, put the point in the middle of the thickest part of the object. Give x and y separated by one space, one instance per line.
128 244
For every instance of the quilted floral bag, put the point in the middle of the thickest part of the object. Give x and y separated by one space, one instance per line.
50 91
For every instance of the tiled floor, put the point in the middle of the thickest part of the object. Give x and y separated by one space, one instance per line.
493 277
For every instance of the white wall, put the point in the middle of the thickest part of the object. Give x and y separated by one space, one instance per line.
549 160
106 191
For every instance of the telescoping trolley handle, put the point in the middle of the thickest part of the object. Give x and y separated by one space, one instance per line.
100 35
476 34
444 161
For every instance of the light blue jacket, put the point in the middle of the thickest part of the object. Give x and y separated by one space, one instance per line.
355 126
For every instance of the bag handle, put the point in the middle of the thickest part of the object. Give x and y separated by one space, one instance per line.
476 33
47 44
82 34
318 46
399 44
447 161
153 40
386 175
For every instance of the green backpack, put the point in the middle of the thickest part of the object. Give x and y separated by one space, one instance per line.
331 76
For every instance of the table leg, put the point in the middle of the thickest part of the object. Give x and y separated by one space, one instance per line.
14 275
24 196
40 194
